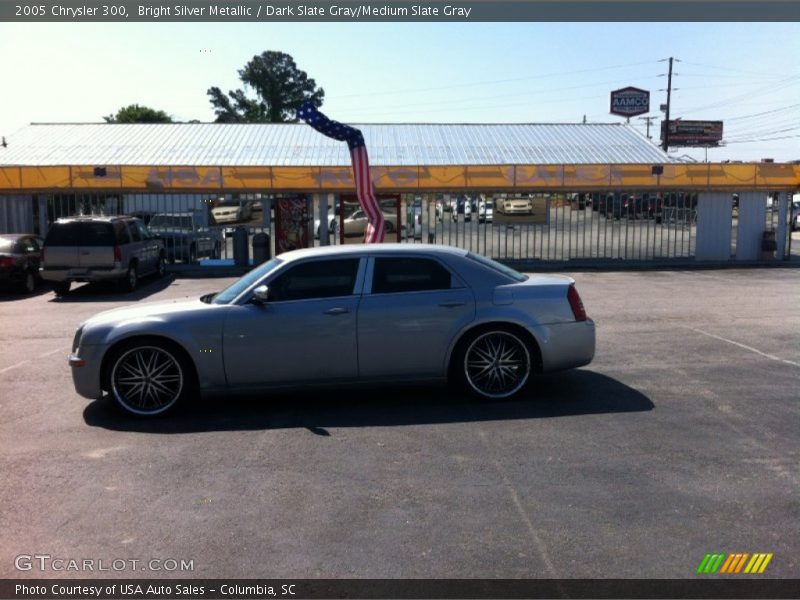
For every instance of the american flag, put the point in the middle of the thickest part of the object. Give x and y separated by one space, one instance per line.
376 227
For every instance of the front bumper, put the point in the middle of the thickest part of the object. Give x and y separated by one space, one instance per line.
86 365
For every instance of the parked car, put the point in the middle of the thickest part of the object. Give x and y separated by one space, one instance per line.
340 314
232 211
485 210
117 248
185 238
356 223
461 206
795 216
20 255
333 221
578 201
515 206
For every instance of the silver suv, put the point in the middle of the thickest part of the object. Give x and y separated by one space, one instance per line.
100 249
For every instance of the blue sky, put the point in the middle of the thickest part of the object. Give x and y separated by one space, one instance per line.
747 75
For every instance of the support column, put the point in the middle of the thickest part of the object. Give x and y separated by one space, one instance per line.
752 221
714 212
783 225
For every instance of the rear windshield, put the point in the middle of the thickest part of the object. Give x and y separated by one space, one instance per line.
170 222
6 245
496 266
80 233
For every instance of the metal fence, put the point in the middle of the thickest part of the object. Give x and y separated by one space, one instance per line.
601 227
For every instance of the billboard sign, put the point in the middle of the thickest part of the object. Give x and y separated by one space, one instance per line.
629 102
693 133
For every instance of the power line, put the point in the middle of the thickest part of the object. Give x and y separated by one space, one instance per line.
474 83
726 68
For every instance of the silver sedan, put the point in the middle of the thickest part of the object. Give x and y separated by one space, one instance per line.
340 315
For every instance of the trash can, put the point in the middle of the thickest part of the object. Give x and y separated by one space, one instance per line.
768 245
241 250
260 248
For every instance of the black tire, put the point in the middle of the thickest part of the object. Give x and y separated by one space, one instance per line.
217 251
149 377
28 283
61 288
192 254
131 278
389 226
495 362
161 268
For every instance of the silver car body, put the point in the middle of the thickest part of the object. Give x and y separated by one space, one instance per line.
361 337
79 261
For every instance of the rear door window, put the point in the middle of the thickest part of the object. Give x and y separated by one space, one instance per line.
393 275
121 233
80 233
136 232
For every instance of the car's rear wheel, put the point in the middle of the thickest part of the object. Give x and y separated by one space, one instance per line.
161 270
28 285
495 363
131 278
149 378
61 288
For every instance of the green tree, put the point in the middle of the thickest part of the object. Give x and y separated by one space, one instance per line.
280 88
138 114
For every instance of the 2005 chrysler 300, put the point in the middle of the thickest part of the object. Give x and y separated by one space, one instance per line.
335 315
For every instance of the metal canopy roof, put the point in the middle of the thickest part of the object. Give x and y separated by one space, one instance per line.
298 145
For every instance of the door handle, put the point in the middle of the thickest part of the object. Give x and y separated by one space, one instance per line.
450 304
337 311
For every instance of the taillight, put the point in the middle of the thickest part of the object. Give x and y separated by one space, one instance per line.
6 261
117 254
575 303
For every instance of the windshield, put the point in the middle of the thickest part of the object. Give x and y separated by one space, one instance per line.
496 266
240 285
6 245
170 222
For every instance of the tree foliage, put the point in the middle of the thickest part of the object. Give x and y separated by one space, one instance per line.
138 114
280 88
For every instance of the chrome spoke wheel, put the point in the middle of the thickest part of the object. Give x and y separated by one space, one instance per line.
497 364
147 380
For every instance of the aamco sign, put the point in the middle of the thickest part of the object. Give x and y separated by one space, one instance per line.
630 101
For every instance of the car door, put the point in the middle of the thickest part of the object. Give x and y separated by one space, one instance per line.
412 309
305 332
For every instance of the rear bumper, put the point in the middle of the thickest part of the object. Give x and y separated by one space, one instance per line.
85 365
566 345
88 274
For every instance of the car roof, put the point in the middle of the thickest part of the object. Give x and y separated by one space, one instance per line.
15 236
350 249
94 218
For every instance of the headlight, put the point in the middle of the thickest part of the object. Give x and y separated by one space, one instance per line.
76 341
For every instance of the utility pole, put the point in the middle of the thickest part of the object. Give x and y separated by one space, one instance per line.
648 120
669 94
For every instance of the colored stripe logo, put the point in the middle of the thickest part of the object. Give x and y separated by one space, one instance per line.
731 564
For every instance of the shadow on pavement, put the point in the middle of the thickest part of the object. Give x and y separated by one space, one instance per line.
10 294
567 394
109 292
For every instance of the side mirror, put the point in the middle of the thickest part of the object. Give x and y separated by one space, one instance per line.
261 294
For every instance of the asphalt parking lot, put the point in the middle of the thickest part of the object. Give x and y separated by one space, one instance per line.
680 439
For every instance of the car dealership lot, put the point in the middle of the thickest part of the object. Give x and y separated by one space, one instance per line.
678 440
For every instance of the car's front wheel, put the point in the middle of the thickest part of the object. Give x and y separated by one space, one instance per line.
61 288
149 378
494 363
131 278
